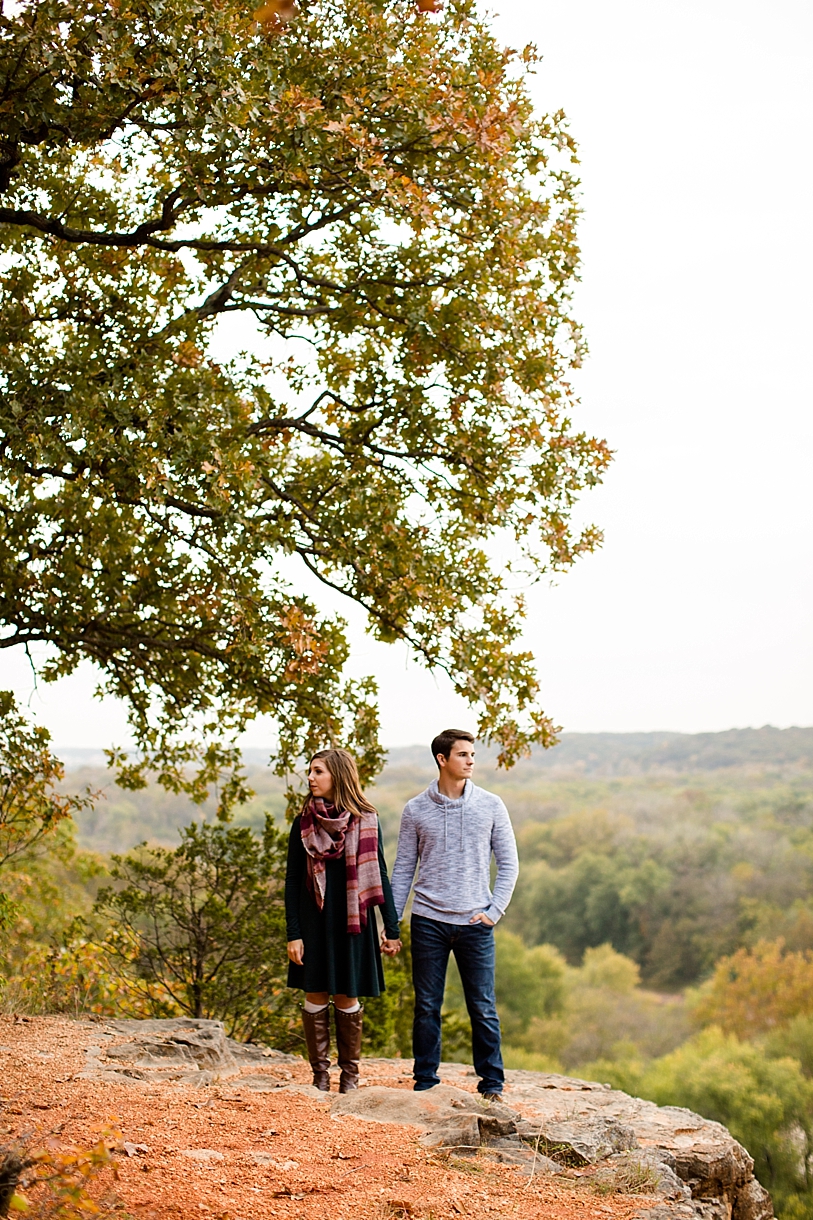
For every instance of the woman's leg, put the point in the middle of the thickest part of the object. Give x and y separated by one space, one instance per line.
349 1023
319 998
316 1022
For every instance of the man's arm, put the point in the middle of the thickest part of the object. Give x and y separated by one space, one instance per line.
504 846
406 860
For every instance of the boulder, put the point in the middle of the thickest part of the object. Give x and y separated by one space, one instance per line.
436 1107
449 1118
545 1122
582 1141
707 1158
752 1202
180 1050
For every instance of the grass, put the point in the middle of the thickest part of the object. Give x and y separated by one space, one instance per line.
631 1178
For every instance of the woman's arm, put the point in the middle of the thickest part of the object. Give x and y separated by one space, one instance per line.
294 877
388 910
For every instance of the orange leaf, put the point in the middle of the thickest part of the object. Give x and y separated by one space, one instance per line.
275 12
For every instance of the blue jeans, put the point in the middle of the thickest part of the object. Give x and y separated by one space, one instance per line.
473 948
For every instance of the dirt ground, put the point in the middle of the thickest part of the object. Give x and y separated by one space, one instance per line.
223 1154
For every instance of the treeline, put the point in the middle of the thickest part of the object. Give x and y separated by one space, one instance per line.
673 876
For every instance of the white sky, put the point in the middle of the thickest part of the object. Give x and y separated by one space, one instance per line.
694 123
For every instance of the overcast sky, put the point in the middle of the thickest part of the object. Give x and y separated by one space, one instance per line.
694 123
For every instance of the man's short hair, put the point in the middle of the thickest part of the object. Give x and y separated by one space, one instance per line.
444 742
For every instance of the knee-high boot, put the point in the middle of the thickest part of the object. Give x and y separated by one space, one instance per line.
317 1041
348 1043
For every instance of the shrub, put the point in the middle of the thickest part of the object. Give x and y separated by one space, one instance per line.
200 930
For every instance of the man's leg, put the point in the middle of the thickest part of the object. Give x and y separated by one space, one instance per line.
474 954
430 957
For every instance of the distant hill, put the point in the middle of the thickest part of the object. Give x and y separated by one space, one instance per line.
629 753
609 754
749 758
603 754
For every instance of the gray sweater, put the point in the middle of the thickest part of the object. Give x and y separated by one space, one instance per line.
453 840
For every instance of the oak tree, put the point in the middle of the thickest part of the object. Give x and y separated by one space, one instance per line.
279 292
32 804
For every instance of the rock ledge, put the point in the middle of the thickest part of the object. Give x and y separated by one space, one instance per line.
546 1123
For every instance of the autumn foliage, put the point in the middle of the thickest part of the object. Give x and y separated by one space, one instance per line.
755 990
281 313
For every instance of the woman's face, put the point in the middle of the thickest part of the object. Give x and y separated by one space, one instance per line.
320 781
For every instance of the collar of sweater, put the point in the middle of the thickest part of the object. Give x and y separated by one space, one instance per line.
437 796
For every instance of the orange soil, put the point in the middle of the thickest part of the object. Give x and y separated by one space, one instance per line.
282 1153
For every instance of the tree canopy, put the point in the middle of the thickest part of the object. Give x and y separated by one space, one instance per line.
31 803
364 201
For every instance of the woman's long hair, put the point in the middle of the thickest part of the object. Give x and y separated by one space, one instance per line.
347 793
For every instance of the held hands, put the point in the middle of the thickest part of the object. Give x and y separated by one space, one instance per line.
296 949
482 918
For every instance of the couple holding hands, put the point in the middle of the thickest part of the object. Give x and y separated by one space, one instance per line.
337 874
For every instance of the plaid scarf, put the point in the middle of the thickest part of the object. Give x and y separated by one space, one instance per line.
328 835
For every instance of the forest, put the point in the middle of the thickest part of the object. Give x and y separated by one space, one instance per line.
660 937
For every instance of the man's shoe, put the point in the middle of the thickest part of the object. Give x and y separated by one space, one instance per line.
491 1096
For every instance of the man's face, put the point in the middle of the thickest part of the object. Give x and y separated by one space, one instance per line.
460 763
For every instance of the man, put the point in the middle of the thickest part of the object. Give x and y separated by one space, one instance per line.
450 832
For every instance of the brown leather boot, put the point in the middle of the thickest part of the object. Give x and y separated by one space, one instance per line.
348 1044
317 1040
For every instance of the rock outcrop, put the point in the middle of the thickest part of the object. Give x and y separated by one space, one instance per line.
547 1124
550 1123
177 1050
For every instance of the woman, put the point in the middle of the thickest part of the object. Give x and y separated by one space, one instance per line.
336 875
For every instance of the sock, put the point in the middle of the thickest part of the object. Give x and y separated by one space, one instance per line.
314 1007
355 1008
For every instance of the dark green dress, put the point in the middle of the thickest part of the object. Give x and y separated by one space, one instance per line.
334 961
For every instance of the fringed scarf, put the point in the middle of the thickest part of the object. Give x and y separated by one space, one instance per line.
327 835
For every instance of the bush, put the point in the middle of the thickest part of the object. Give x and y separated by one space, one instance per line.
72 976
603 967
516 1057
50 963
200 930
36 837
48 1182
